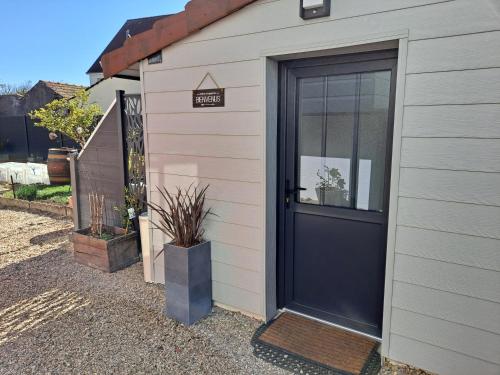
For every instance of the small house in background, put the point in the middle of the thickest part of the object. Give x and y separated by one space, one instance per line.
20 139
353 156
40 94
103 91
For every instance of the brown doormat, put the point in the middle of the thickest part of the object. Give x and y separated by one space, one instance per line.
306 346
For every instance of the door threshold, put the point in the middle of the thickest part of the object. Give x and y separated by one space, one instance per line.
284 309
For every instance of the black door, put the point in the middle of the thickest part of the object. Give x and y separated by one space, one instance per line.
336 126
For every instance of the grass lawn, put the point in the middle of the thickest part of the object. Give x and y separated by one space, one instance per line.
54 194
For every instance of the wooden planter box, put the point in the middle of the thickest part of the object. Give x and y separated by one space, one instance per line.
107 256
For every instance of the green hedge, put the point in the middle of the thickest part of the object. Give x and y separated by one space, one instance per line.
26 192
55 194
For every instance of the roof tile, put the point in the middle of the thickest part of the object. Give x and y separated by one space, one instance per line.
66 90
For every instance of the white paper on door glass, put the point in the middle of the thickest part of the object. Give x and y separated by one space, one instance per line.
364 181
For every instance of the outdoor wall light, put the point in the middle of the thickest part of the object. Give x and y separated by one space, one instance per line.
314 8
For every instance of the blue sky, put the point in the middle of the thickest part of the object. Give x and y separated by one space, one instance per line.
58 40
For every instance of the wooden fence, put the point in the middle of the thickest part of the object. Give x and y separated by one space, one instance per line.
104 165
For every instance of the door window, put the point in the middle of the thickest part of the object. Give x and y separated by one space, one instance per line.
342 133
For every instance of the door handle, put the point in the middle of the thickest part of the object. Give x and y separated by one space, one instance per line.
289 192
295 190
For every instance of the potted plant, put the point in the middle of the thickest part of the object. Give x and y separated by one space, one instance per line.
188 268
73 117
131 210
330 190
104 247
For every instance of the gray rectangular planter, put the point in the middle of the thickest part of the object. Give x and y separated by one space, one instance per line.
188 282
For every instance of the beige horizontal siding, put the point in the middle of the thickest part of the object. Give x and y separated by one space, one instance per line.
236 213
473 51
221 190
458 279
462 249
226 75
460 121
236 99
454 186
471 219
233 234
438 360
459 338
237 277
481 86
481 155
446 299
214 123
471 312
227 146
241 257
244 300
217 168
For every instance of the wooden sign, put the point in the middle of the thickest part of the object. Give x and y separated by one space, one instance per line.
208 98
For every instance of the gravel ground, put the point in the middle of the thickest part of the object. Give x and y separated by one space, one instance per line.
391 368
58 317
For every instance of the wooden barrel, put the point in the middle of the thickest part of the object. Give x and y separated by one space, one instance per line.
58 166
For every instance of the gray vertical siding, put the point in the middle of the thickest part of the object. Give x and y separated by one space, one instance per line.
445 302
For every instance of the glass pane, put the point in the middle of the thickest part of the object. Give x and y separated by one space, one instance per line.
332 112
327 111
311 117
335 185
372 139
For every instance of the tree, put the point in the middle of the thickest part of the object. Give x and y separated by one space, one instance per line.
10 89
73 117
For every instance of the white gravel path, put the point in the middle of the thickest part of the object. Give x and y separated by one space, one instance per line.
58 317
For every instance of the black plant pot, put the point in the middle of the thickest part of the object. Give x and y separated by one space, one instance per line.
188 282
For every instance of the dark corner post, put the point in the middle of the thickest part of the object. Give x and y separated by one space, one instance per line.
122 134
122 141
27 138
73 167
13 186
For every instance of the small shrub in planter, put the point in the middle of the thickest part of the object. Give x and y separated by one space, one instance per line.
106 248
188 268
26 192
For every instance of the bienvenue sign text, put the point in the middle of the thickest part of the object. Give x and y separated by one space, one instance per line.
208 98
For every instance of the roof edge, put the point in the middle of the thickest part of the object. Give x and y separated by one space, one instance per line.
197 14
118 40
